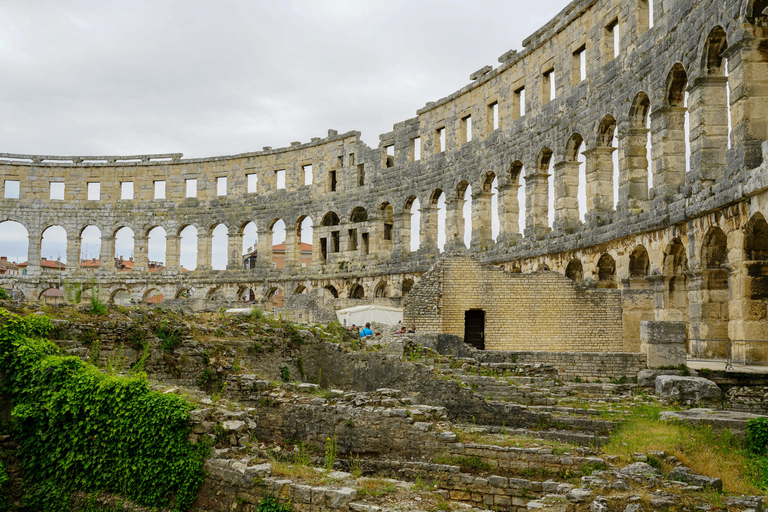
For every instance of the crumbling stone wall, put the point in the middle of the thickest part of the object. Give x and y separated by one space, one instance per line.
541 311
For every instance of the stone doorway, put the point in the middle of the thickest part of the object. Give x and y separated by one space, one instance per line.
474 328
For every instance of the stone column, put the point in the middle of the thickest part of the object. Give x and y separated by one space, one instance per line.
566 196
428 231
599 185
454 224
264 248
709 127
73 252
140 252
292 249
33 254
633 175
482 220
748 82
173 252
509 213
668 150
204 251
234 248
663 343
317 258
401 234
537 204
107 256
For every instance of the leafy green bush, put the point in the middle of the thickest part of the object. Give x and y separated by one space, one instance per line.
81 430
97 306
757 435
270 504
4 294
170 337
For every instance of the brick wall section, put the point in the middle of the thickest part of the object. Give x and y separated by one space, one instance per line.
590 365
541 311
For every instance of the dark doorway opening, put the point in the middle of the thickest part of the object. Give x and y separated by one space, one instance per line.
474 328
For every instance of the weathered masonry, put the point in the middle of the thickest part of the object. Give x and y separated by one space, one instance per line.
679 229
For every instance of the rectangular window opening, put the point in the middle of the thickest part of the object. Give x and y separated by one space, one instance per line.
335 241
280 179
57 190
221 186
612 39
519 110
11 190
548 86
307 174
324 249
159 189
387 231
352 240
361 175
351 159
94 191
440 140
493 112
364 242
466 128
126 190
416 149
253 181
389 156
341 160
332 181
579 65
191 189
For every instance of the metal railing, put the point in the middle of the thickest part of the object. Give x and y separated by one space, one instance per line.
730 352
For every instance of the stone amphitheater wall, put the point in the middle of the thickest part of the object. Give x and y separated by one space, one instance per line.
693 241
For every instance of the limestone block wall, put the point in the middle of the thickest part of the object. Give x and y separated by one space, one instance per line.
544 311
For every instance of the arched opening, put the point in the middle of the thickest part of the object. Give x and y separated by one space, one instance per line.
756 280
606 271
304 233
124 249
53 249
276 250
219 246
487 211
246 294
570 188
156 248
407 285
120 297
714 295
639 262
537 196
90 248
437 220
359 214
14 245
675 267
575 271
153 296
249 251
675 258
300 289
381 290
385 227
215 294
670 136
463 227
332 290
357 235
517 214
637 154
188 248
411 224
356 291
183 293
606 166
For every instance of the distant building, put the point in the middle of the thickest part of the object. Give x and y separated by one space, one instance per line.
278 261
7 268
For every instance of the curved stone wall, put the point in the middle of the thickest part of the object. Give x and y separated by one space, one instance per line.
578 82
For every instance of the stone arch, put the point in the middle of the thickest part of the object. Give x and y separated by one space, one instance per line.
358 214
120 297
569 181
633 188
157 247
575 271
330 219
714 250
188 241
219 240
406 286
675 258
410 234
674 87
14 241
381 290
712 60
756 9
434 221
329 235
332 290
512 221
183 293
756 238
54 243
356 291
486 212
606 271
357 239
639 262
603 192
755 288
90 248
215 293
303 254
537 194
300 288
606 130
152 296
124 247
385 227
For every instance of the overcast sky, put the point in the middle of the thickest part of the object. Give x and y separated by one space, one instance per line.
226 77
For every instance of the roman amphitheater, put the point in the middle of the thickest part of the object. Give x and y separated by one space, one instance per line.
656 114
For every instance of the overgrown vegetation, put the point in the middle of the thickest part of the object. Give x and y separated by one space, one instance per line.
4 295
170 337
79 429
708 452
270 504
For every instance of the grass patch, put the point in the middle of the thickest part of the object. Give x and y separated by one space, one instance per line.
708 452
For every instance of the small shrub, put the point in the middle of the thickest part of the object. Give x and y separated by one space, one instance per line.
285 374
4 295
170 337
757 435
270 504
97 306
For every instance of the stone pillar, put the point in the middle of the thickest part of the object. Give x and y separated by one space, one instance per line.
33 254
509 213
173 252
73 252
401 234
428 231
748 82
234 248
140 252
566 196
317 258
292 249
482 220
633 175
204 251
709 127
599 186
264 248
454 224
668 150
107 256
697 302
537 204
663 343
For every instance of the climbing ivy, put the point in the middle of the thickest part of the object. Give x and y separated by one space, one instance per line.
79 429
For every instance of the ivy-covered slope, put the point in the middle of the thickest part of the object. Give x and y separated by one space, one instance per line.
79 429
